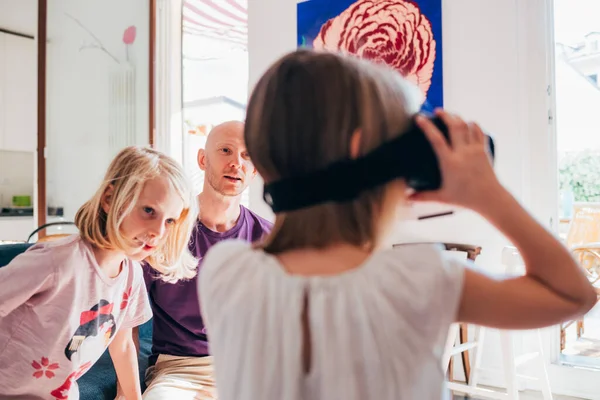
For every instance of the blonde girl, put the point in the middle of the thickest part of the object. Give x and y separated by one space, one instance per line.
63 303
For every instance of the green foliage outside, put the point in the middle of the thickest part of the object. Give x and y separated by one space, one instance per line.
580 172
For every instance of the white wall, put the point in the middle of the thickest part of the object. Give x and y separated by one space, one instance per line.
78 92
17 168
495 72
19 16
16 175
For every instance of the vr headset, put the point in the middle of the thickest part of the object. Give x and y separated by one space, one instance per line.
409 156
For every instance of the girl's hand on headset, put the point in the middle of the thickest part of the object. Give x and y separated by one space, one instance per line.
468 179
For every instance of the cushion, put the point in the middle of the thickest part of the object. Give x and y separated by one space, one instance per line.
10 251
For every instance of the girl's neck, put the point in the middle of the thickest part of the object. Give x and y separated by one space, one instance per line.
331 260
109 261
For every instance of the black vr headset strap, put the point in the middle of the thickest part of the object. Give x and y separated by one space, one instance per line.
409 156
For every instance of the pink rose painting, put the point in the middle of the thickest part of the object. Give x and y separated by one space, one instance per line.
403 34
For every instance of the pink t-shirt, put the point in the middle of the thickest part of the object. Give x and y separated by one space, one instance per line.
58 314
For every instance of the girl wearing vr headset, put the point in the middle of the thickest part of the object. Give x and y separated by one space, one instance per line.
320 310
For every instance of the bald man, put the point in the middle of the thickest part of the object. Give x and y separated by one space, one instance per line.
180 364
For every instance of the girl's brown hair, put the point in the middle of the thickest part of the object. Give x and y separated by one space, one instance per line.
302 116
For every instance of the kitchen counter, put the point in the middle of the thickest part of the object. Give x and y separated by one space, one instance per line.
16 212
10 242
19 212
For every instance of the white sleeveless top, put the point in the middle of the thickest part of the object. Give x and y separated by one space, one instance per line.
377 332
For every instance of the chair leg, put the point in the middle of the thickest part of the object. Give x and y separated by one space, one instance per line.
447 359
464 338
479 337
544 378
510 370
579 329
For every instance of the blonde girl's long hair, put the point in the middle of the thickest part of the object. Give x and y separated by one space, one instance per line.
128 172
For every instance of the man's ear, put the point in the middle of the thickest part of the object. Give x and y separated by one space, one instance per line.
107 198
202 159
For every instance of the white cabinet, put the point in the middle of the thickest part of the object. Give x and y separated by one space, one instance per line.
16 228
18 93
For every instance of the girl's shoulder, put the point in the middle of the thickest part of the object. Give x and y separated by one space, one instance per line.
231 259
422 259
62 246
136 271
226 251
62 243
58 252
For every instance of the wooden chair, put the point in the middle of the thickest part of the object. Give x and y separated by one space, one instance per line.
472 252
583 239
512 362
50 238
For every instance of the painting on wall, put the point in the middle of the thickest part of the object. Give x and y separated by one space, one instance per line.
405 34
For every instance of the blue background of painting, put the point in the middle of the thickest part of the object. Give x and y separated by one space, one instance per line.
314 13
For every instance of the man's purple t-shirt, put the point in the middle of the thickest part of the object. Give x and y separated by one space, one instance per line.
178 329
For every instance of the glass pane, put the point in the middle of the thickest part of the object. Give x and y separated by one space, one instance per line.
215 73
577 35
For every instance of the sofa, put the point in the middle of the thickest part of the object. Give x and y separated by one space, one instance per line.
100 381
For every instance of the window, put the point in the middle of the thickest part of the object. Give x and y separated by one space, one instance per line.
214 73
578 148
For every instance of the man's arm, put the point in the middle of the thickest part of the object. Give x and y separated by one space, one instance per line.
123 351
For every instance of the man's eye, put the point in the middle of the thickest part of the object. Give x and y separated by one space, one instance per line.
149 210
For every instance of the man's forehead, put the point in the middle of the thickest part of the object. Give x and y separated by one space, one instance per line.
231 133
237 142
